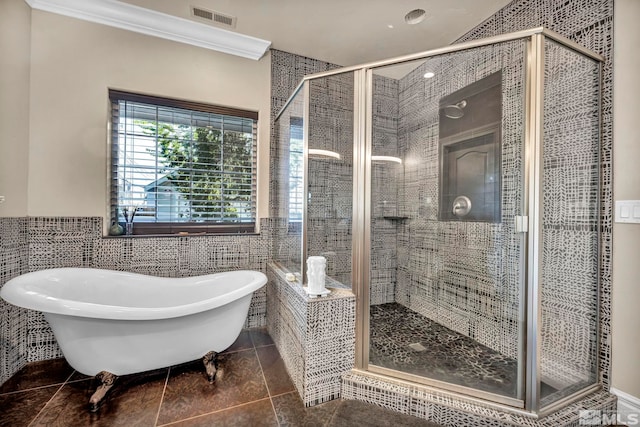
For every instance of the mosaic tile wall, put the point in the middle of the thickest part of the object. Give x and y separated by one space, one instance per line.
330 180
39 243
314 336
14 261
287 70
590 24
330 205
330 124
331 128
569 286
386 185
287 237
464 275
450 270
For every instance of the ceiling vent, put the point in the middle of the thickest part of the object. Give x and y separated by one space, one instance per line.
214 18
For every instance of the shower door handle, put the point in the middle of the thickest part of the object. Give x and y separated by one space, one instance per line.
461 206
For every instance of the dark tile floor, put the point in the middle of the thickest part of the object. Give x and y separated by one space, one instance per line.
252 389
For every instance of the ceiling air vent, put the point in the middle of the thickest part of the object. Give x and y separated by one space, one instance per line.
213 17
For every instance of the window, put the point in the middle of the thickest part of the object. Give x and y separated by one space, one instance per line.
182 166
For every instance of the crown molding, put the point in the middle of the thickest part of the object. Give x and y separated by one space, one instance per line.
140 20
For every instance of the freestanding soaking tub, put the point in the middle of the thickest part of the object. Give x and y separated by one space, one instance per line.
111 323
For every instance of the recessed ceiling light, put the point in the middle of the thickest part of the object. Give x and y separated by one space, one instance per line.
390 26
416 16
429 74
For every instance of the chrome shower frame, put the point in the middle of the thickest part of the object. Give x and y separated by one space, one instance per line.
529 220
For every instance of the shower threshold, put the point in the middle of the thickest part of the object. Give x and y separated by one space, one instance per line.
405 341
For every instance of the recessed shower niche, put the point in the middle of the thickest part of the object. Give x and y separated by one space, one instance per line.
469 133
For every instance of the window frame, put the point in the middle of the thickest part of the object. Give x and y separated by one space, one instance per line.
177 228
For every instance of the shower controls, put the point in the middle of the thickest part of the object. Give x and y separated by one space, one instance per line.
461 206
470 142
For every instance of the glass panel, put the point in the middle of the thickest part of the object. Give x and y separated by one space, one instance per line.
330 174
446 285
287 190
570 224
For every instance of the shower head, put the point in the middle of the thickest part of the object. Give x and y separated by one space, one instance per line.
455 111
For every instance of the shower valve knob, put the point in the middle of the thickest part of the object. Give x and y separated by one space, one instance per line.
461 206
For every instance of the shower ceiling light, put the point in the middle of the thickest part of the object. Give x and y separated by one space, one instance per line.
325 153
428 74
416 16
386 159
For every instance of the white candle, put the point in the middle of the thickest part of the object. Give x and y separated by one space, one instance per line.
316 274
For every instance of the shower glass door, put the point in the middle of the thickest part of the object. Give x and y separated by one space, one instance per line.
446 276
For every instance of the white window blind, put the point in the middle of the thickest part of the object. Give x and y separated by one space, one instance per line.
182 166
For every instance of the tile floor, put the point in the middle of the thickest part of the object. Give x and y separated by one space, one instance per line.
253 389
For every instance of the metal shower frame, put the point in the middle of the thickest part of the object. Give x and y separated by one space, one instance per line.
528 223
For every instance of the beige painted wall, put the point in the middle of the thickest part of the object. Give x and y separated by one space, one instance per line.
625 311
74 63
15 34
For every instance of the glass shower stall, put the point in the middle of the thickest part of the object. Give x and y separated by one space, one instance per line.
456 192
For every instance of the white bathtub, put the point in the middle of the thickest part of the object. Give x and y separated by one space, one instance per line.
125 323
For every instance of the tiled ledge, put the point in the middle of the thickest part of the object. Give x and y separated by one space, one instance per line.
315 336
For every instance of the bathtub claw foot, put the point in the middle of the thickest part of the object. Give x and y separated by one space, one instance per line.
210 362
106 379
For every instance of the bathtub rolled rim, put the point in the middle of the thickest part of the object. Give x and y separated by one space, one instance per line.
14 293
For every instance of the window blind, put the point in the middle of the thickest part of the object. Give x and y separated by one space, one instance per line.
182 166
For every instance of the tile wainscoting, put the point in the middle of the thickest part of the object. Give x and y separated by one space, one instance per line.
38 243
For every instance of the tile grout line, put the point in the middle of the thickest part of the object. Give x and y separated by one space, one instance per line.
9 393
286 392
52 397
264 345
265 382
164 390
335 411
212 412
245 349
